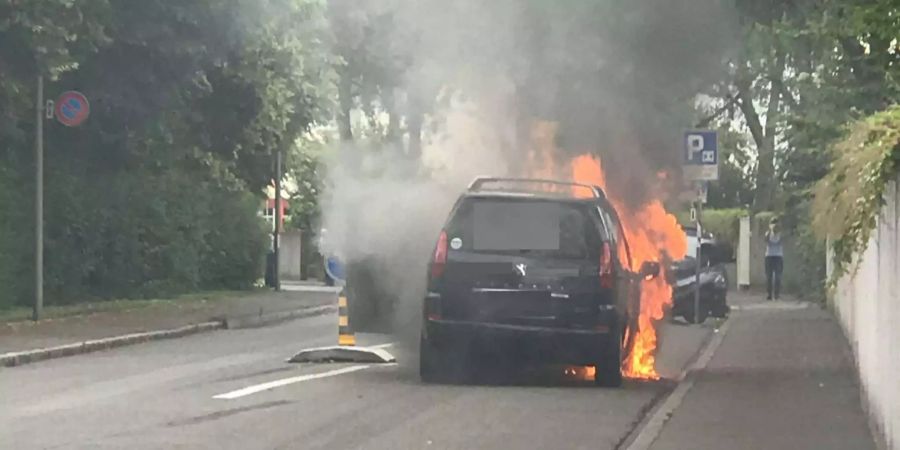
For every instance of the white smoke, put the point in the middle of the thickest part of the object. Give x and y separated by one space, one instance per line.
496 65
381 208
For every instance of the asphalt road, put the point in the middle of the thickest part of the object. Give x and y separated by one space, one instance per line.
163 395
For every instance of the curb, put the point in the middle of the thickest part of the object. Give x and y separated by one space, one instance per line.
651 425
30 356
259 320
79 348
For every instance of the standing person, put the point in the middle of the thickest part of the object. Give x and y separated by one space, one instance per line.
774 259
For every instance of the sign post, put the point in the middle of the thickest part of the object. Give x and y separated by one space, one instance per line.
70 109
698 225
39 202
701 165
276 236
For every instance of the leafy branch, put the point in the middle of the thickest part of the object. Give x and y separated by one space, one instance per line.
849 199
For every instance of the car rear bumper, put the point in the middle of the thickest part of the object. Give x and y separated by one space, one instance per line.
521 342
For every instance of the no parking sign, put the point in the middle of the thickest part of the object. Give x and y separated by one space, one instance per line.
72 108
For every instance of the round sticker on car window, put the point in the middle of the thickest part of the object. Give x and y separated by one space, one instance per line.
456 244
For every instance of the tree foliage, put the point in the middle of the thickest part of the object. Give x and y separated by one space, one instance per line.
158 191
802 71
190 100
849 199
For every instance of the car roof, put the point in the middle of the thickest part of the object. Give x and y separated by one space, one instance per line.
542 196
537 187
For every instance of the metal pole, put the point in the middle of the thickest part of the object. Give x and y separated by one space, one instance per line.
39 202
699 257
277 231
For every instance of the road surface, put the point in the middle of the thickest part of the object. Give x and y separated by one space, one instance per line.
233 389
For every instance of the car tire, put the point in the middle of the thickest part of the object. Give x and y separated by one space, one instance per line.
608 371
689 313
434 364
721 309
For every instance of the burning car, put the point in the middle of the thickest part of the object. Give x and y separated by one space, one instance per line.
539 269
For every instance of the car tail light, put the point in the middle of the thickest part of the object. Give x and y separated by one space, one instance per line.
440 257
606 273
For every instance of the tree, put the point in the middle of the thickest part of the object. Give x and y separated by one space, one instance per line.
802 71
805 68
158 192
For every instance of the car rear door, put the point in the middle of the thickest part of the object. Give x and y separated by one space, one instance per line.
524 261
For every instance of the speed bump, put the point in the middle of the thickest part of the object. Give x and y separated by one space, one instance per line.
341 353
346 350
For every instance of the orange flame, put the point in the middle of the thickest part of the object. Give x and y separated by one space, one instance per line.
651 233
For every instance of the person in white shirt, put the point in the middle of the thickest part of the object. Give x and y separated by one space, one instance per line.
774 260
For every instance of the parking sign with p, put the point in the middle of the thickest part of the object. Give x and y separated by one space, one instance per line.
701 155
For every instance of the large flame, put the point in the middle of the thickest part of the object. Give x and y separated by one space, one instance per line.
651 233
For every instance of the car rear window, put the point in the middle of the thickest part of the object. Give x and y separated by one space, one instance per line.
517 226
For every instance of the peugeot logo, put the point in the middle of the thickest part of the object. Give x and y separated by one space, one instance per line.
521 269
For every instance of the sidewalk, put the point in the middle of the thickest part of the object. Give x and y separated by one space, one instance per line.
162 315
782 378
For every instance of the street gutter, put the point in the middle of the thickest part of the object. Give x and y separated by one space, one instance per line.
661 408
13 359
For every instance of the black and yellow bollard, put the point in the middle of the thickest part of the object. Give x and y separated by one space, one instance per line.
346 350
345 332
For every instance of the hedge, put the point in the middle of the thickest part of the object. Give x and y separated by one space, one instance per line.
128 234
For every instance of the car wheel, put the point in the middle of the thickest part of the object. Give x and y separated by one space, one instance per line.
431 367
721 308
689 314
608 371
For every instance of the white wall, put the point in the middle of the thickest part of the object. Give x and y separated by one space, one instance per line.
289 255
868 307
743 254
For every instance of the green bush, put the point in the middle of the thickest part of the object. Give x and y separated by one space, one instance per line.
850 197
724 224
130 234
16 239
761 220
805 277
236 242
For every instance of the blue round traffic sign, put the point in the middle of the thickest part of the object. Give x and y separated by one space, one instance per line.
72 108
335 269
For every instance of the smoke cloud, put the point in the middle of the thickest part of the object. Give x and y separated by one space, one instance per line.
617 76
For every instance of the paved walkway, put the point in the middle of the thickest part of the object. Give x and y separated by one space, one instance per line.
27 335
781 379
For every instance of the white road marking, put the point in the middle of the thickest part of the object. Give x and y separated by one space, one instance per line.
284 382
389 344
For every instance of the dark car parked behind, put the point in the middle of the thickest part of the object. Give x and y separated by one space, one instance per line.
531 269
713 279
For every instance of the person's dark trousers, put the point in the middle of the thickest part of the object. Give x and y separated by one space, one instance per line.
774 267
